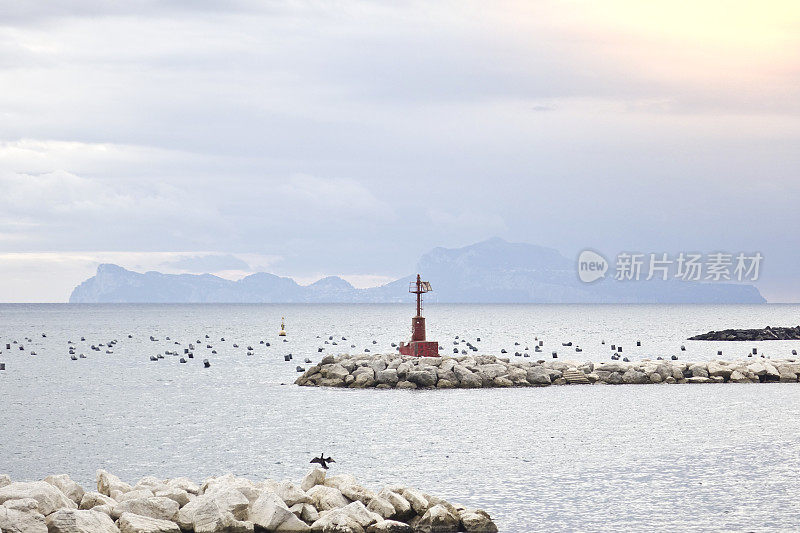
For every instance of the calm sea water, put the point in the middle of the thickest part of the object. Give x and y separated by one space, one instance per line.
654 458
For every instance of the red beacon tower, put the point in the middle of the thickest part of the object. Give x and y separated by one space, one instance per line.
419 347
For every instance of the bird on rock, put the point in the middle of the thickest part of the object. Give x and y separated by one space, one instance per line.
322 460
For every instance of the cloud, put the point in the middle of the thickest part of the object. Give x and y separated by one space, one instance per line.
207 263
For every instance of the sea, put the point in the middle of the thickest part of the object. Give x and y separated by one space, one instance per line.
559 458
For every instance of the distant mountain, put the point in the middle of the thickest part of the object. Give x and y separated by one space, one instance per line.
492 271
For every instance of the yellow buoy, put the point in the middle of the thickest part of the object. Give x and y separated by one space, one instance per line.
283 329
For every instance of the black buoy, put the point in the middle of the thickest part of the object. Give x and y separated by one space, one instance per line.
566 343
555 355
638 343
794 352
659 358
319 349
503 351
626 359
267 344
614 357
719 352
300 369
287 357
613 347
478 339
190 355
455 350
73 357
578 349
153 358
2 366
366 350
182 360
307 360
755 351
674 357
683 348
206 364
619 349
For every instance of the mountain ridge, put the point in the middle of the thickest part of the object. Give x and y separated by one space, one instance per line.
491 271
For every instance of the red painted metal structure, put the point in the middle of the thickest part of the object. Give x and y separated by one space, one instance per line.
419 347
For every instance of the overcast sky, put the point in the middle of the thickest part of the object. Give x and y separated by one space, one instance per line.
316 138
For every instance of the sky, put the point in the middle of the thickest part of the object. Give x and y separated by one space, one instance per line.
312 138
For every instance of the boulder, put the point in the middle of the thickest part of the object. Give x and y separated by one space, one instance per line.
64 483
336 521
354 492
445 384
16 521
50 498
390 526
757 368
633 376
184 483
290 493
4 480
438 519
91 500
75 521
223 523
388 377
340 480
211 508
271 513
405 385
133 523
176 494
382 507
326 498
401 506
715 368
315 476
359 512
477 522
738 377
423 377
492 371
537 375
25 504
154 507
107 482
136 494
417 500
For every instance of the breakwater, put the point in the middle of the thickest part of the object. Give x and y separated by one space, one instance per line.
228 504
391 371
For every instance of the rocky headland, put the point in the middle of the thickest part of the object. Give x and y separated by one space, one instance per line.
391 371
766 334
228 504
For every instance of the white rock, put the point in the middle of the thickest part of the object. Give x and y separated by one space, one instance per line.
75 521
326 498
184 483
361 514
477 522
438 519
401 506
270 512
136 494
16 521
133 523
291 493
315 476
357 493
93 499
64 483
25 504
382 507
390 526
210 508
417 500
155 507
226 523
107 482
50 498
339 481
176 494
4 480
336 521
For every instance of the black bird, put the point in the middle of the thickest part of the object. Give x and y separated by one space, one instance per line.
322 461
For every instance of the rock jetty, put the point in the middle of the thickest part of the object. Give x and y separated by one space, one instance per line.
400 372
766 334
320 503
